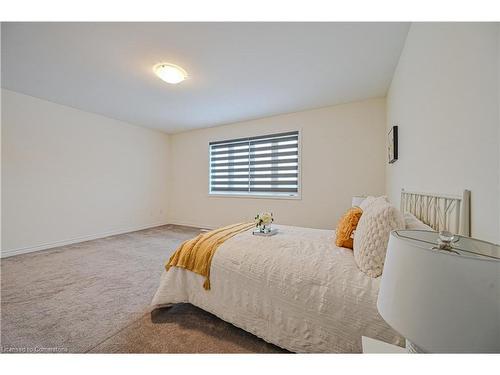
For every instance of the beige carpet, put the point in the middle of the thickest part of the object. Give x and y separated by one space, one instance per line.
94 297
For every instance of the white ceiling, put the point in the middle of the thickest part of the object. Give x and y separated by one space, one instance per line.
237 71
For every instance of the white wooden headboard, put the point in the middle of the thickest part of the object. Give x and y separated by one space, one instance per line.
440 212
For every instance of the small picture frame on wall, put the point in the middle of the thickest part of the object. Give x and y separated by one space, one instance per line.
392 147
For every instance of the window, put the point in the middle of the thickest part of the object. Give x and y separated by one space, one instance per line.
264 165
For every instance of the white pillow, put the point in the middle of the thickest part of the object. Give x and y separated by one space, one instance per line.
371 200
411 222
372 235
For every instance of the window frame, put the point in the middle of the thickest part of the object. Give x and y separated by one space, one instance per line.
255 195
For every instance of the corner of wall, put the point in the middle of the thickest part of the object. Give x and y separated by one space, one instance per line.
498 93
168 207
390 190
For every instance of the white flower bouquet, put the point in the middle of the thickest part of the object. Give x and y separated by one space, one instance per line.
263 221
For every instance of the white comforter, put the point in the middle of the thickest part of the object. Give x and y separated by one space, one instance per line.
296 290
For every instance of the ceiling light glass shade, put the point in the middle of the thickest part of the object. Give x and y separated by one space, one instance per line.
170 73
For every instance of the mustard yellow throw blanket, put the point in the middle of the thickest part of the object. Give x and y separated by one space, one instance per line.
196 254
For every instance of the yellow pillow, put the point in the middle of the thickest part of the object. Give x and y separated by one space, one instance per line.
346 227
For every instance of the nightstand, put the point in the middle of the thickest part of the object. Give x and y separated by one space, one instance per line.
372 346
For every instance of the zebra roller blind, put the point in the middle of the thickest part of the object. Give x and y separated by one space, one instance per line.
264 165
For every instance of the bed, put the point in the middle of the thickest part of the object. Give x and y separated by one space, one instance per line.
296 290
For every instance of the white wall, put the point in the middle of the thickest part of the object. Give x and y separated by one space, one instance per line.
0 133
498 47
343 153
69 175
445 99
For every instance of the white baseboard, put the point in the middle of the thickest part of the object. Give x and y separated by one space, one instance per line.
191 224
45 246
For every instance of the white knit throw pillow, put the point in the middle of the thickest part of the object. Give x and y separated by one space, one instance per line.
372 200
372 235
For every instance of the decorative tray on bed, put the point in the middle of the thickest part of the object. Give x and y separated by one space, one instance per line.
272 232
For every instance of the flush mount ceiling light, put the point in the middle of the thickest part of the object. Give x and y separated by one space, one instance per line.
170 73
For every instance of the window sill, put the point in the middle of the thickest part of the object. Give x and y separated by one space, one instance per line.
255 196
